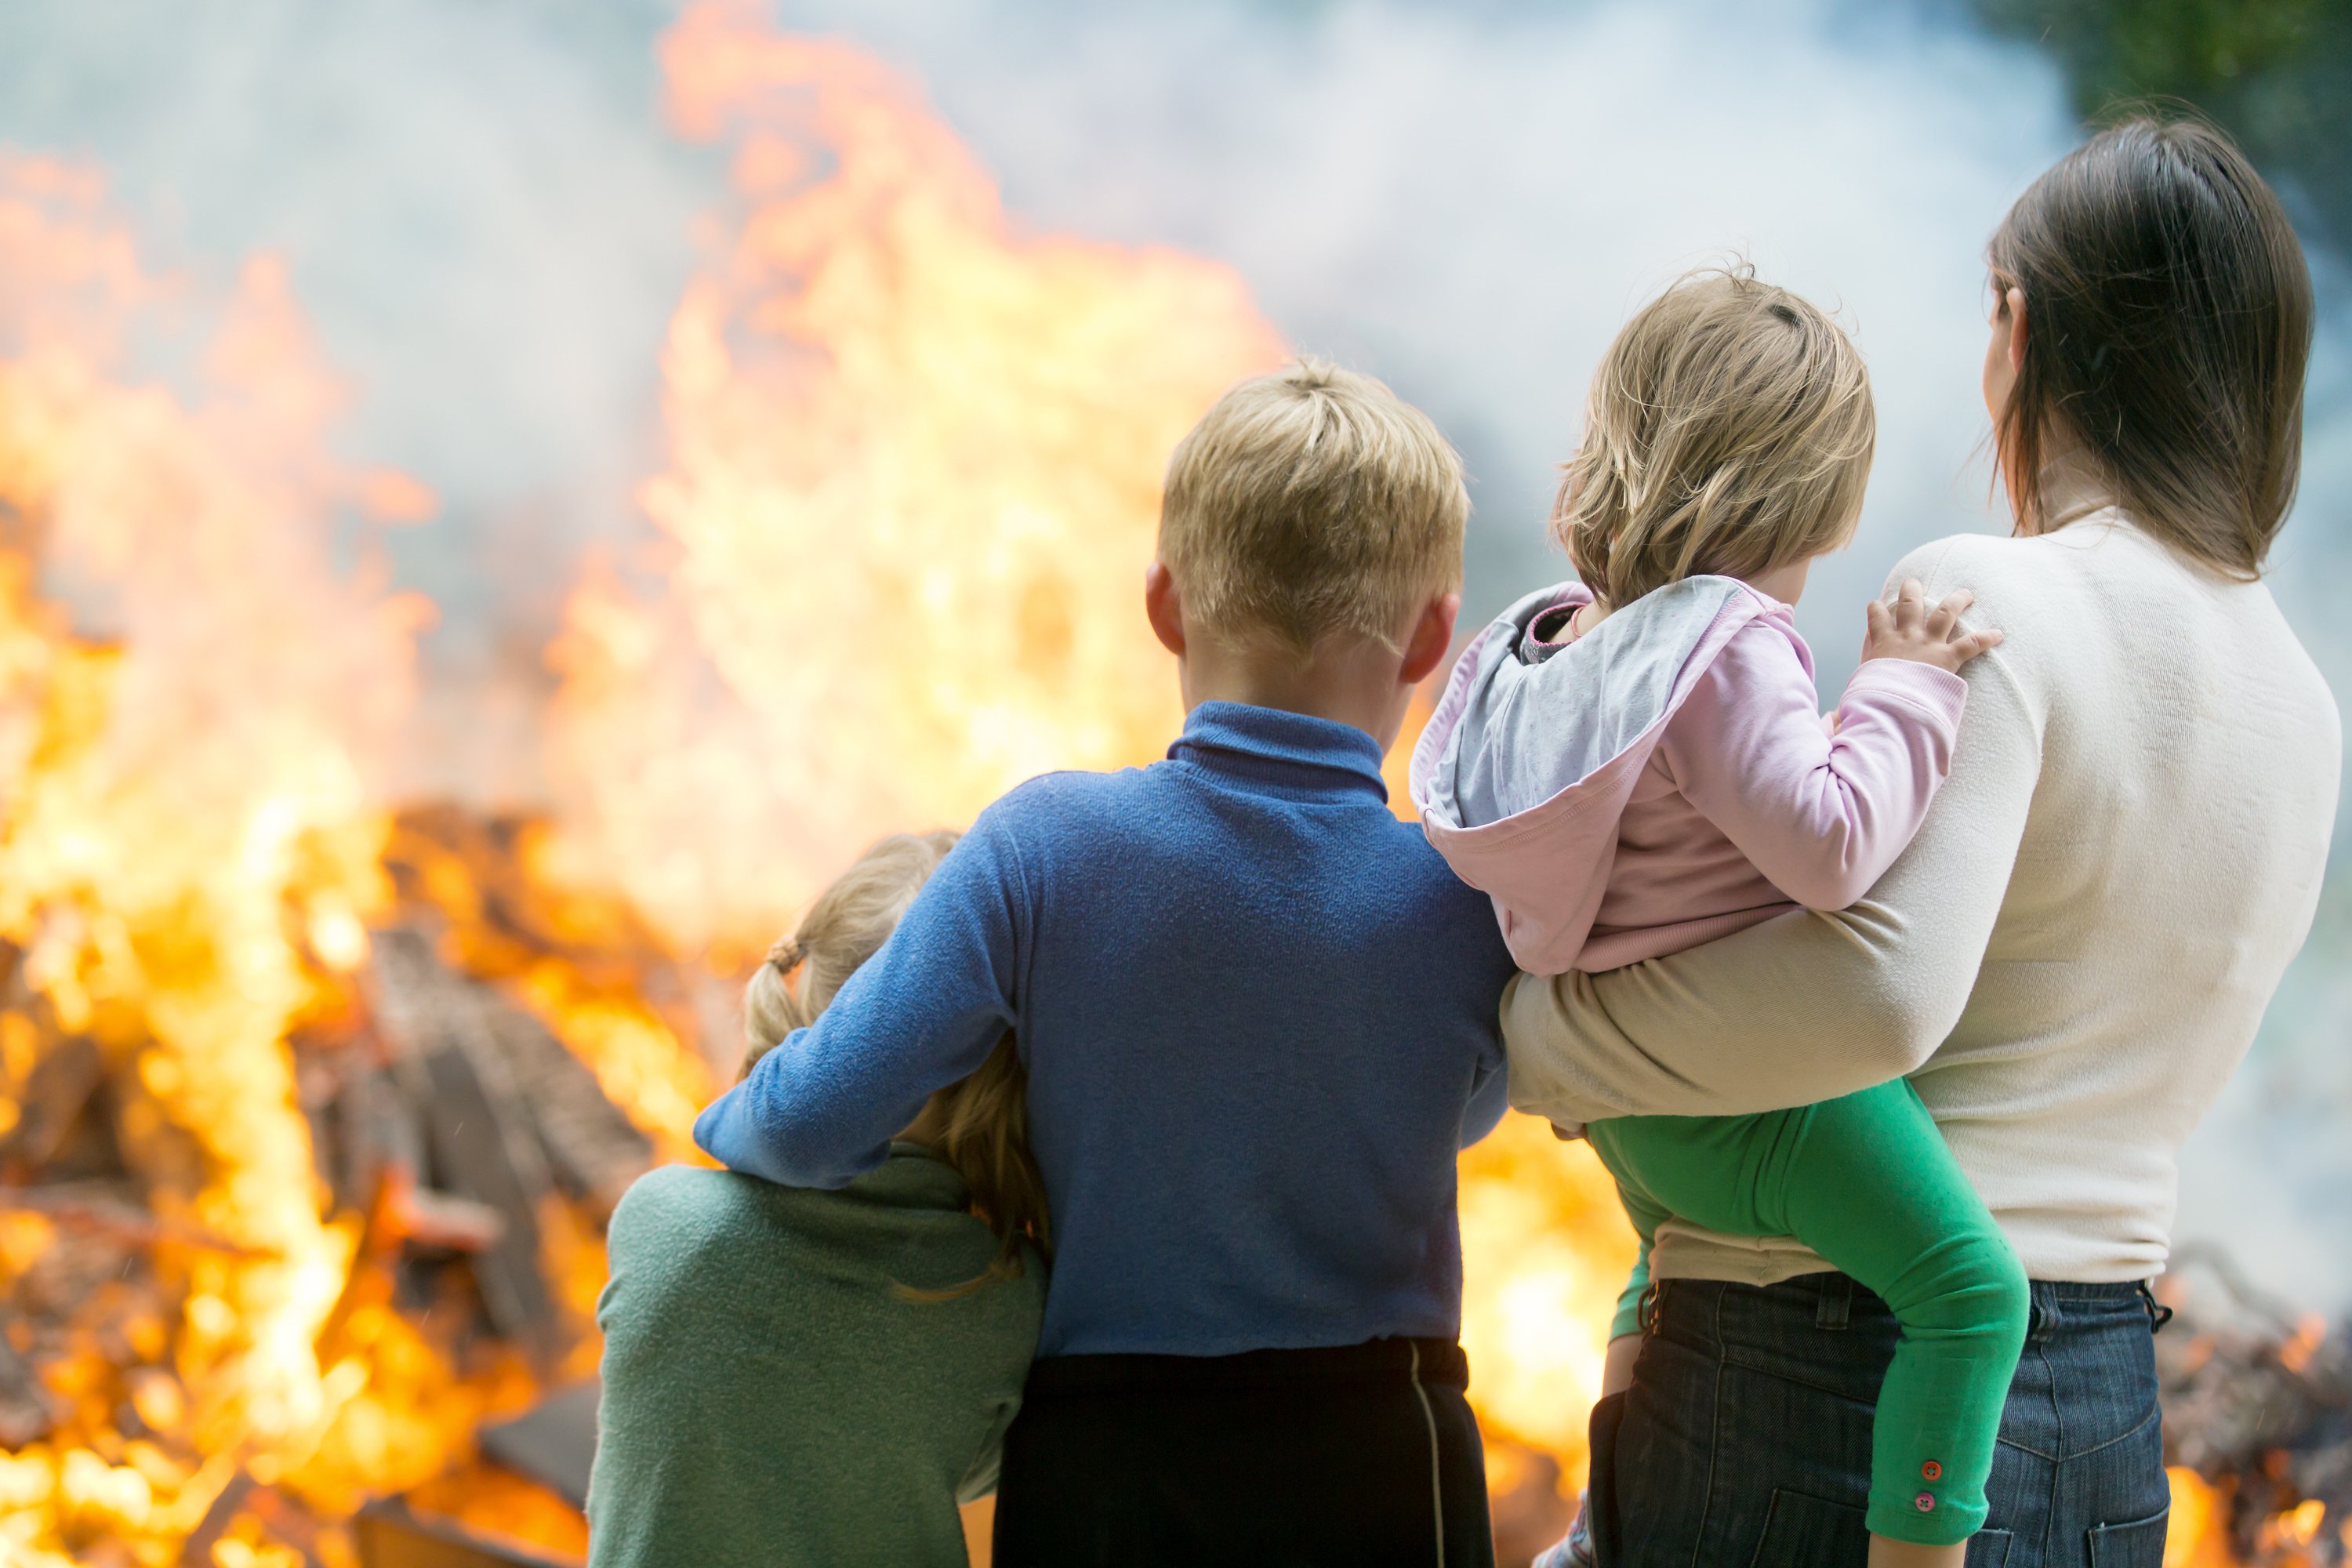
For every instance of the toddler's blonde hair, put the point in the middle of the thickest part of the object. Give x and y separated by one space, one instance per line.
1309 501
1729 431
983 1119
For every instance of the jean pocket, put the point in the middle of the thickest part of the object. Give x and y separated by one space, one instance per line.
1803 1532
2135 1545
1988 1549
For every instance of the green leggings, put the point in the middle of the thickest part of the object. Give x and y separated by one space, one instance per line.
1868 1182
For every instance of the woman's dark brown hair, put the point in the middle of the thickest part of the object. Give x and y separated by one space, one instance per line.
2168 318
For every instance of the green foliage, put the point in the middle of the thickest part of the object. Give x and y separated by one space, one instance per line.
2277 74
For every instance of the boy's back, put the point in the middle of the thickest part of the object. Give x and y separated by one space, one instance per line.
1254 1007
1259 1017
1260 1007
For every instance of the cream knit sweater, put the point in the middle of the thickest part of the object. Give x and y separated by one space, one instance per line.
2071 958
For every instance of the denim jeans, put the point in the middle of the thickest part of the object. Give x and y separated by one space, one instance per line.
1745 1440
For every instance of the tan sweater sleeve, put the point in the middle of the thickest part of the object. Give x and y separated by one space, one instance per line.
1806 1007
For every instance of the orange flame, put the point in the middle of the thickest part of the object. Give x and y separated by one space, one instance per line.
913 486
188 850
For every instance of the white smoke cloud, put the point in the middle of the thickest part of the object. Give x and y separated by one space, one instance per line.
486 220
490 225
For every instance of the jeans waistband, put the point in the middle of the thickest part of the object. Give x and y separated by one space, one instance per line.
1836 1300
2055 1300
1438 1362
2076 1290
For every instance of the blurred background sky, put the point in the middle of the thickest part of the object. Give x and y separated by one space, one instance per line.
486 218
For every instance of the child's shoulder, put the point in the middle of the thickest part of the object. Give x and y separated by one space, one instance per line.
1069 790
1079 819
677 1213
1059 809
674 1208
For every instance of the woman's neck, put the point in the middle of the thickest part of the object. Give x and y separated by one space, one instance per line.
2072 486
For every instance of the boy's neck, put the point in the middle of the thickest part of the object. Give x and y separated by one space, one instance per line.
1347 679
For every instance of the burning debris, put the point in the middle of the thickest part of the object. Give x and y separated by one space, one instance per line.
2257 1423
466 1149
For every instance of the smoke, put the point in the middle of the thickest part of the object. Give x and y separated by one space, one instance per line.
483 212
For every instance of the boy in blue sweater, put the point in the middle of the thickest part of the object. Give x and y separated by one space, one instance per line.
1259 1017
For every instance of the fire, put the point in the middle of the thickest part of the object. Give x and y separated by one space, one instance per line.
1545 1250
188 855
915 459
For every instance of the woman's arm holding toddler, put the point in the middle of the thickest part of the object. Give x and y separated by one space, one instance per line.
1806 1007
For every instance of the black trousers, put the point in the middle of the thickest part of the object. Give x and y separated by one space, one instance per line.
1365 1456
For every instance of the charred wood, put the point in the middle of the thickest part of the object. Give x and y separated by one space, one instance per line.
27 1414
57 1092
392 1535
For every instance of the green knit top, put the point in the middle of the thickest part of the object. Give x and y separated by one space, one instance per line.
771 1398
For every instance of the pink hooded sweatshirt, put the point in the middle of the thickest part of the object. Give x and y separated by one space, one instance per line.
1667 779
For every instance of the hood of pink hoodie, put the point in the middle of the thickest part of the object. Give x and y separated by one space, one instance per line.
1524 771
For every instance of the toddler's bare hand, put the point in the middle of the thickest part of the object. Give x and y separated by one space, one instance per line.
1909 629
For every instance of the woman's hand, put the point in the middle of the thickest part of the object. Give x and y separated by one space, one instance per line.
1909 629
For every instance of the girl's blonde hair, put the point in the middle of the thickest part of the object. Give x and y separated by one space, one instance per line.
983 1121
1729 432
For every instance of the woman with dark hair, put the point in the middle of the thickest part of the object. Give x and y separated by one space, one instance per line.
2074 954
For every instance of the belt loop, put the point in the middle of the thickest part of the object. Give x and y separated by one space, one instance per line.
2046 1317
1836 1308
2159 1314
1647 1313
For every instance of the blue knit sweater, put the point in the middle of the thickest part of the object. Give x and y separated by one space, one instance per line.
1259 1016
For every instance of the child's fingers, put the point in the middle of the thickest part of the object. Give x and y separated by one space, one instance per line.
1910 603
1878 620
1946 619
1967 645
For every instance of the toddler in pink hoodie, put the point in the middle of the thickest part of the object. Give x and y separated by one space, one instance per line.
1636 763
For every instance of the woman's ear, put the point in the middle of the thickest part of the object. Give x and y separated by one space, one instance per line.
1163 605
2015 300
1432 634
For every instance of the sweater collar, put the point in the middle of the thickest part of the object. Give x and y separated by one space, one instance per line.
1293 752
913 1177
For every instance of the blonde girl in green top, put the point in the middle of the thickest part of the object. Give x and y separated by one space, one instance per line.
803 1377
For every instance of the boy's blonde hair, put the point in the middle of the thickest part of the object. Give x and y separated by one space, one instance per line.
983 1119
1729 432
1309 501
